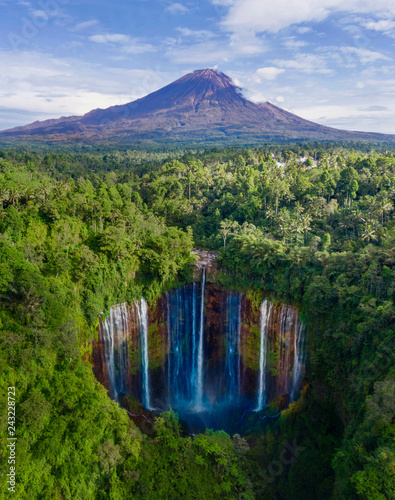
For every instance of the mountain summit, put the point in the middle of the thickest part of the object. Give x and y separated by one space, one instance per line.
200 106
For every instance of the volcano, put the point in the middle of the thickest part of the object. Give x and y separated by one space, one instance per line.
201 106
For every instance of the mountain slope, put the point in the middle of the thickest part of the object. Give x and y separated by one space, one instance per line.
202 105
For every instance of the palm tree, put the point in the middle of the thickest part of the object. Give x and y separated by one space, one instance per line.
14 196
44 190
4 194
369 233
383 206
298 208
344 222
28 194
62 188
305 226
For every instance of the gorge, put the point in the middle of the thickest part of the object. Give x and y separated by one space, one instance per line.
204 351
86 236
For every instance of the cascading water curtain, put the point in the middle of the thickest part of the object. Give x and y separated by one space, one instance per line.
290 334
142 314
185 330
115 332
281 351
286 318
182 325
233 329
265 317
288 340
200 375
299 358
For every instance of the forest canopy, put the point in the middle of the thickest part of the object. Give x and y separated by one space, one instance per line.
312 226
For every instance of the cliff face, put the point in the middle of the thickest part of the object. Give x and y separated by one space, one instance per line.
216 342
281 339
205 260
116 354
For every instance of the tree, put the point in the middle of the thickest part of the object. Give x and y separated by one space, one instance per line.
279 189
66 234
113 241
369 233
227 227
309 162
4 195
108 455
383 206
36 233
35 410
326 241
348 184
305 226
327 185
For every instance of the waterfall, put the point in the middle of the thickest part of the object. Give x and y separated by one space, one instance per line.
290 334
239 342
233 329
107 333
169 347
285 326
182 346
194 361
203 358
142 314
116 335
265 316
200 381
299 358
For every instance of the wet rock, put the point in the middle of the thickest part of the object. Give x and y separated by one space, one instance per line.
205 260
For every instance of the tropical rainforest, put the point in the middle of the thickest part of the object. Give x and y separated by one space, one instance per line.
312 226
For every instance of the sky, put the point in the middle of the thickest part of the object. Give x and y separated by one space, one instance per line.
330 61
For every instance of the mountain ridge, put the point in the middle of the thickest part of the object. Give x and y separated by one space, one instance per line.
201 105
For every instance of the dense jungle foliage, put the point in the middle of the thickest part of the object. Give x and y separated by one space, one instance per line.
310 226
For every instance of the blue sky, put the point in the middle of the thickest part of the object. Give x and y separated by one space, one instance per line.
329 61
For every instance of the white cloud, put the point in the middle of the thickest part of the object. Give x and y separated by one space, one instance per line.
292 43
243 44
211 52
266 15
383 25
306 63
363 55
267 73
110 38
205 53
256 96
198 34
128 44
371 108
374 108
381 87
177 8
38 14
225 3
41 87
85 25
325 112
350 117
303 30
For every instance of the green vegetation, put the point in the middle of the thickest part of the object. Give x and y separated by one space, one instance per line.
80 232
